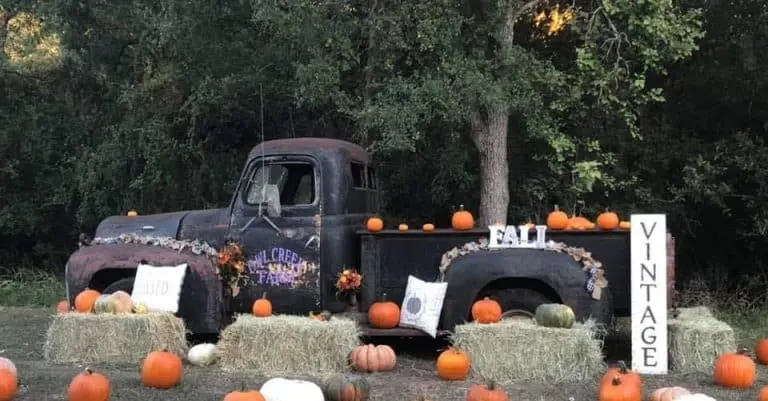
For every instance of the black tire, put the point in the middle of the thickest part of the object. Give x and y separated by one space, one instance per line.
124 284
516 301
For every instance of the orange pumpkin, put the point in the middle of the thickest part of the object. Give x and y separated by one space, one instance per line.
374 224
625 225
373 358
761 351
763 394
62 306
488 392
618 391
608 220
89 386
557 219
486 310
244 395
132 213
453 364
8 364
9 385
735 370
262 307
579 223
161 369
384 314
627 376
428 227
462 219
85 300
402 227
669 393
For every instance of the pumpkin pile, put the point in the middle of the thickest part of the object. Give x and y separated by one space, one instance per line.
461 220
608 220
92 301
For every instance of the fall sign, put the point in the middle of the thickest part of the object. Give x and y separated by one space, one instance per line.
500 236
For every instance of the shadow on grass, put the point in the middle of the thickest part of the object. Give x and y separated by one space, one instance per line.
29 287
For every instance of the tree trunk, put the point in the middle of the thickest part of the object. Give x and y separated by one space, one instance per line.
490 137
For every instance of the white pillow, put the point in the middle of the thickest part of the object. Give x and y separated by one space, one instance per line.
422 305
159 287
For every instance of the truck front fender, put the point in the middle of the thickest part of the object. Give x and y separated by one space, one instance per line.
200 302
556 275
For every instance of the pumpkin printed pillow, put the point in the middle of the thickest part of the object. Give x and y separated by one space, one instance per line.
422 305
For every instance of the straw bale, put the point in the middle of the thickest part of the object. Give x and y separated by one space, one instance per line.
695 344
519 350
112 339
696 312
288 345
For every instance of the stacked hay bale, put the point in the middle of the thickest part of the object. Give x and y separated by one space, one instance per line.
290 345
516 350
696 339
114 339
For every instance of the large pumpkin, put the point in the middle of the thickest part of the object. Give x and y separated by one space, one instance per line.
735 370
487 392
627 376
486 310
384 314
85 300
8 364
9 385
557 219
453 364
373 358
89 386
344 387
616 390
669 393
608 220
555 315
462 219
161 369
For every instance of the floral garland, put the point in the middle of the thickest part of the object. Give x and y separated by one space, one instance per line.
595 281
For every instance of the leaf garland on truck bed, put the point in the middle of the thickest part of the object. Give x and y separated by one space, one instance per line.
195 246
593 268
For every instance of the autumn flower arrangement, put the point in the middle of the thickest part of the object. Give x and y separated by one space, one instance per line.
349 281
231 262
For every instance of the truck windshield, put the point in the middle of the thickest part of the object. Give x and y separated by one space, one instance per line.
295 182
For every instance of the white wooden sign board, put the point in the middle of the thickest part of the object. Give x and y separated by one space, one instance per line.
500 236
159 287
648 247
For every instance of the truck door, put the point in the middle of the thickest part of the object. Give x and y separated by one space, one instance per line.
275 217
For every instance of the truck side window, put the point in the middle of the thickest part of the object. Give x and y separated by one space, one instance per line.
358 175
371 178
295 181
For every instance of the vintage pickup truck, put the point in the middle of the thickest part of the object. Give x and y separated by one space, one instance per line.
299 211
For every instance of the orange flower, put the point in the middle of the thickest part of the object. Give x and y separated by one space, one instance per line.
223 257
240 266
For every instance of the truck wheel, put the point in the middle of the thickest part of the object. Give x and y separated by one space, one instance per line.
124 284
517 303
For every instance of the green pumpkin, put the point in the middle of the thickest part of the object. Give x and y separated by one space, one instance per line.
104 304
342 387
555 315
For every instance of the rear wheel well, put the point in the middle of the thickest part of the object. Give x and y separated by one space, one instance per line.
103 278
529 283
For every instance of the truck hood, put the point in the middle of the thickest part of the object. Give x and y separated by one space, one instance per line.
153 225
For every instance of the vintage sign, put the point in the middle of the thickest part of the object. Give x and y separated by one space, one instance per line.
649 293
279 266
159 287
507 237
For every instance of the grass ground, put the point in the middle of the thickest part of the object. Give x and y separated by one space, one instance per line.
32 296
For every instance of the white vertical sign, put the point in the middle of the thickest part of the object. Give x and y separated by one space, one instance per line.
648 288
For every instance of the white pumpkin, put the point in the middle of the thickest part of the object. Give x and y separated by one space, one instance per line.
280 389
202 354
695 397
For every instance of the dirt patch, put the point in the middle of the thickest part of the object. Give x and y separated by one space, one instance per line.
22 334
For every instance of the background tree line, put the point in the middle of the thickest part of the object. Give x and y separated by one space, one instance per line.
639 105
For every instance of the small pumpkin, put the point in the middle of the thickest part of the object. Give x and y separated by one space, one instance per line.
625 225
162 370
487 392
202 354
618 391
557 219
244 395
402 227
373 358
462 219
486 310
8 364
62 306
344 387
89 386
85 300
9 385
763 394
384 314
735 370
262 307
132 213
608 220
280 389
555 315
761 351
668 393
374 224
104 304
428 227
627 376
453 364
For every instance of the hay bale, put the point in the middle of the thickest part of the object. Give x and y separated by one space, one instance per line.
695 344
696 312
515 350
290 345
112 339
